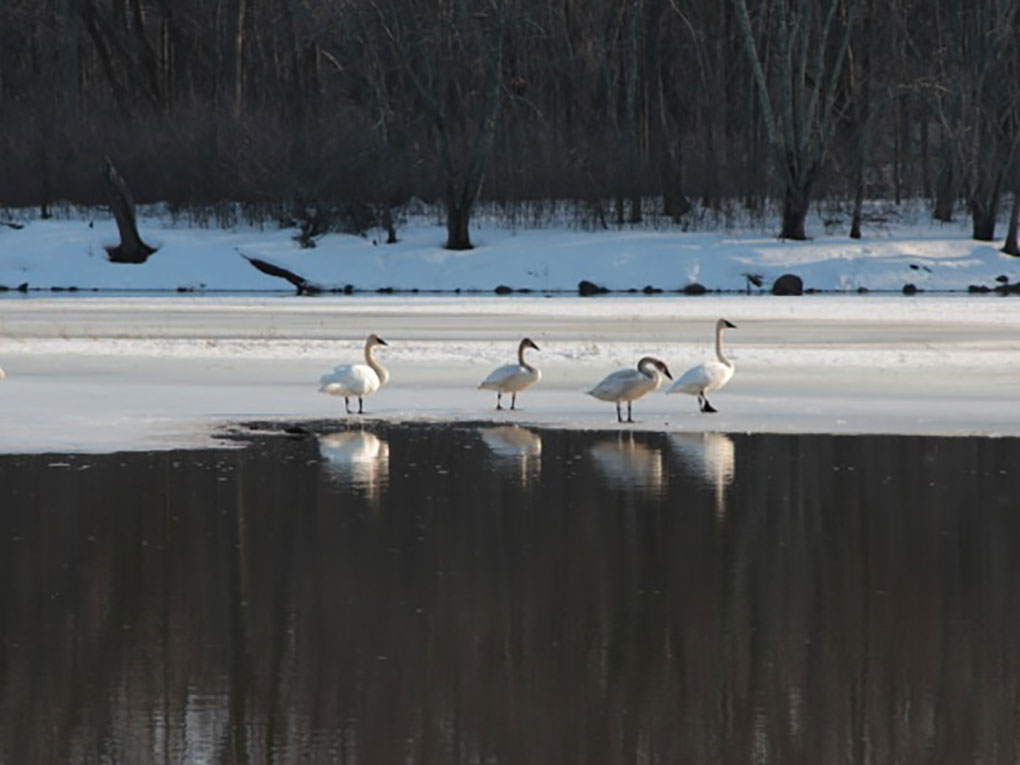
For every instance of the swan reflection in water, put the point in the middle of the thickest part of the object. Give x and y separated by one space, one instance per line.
357 458
628 463
516 447
710 456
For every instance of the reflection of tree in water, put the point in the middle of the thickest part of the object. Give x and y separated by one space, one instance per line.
859 605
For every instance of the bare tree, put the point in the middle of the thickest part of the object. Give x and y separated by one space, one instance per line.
800 118
454 62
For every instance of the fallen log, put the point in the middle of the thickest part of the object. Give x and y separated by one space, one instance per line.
131 248
301 284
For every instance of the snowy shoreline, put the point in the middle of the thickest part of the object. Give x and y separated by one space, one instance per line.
69 254
108 374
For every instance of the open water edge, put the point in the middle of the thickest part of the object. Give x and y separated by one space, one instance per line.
498 594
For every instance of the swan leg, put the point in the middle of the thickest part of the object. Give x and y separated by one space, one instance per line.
499 399
630 416
361 406
347 404
513 401
619 414
705 406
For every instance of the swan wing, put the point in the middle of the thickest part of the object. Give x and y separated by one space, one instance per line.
511 377
617 384
350 380
704 377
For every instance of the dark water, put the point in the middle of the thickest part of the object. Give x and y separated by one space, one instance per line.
450 594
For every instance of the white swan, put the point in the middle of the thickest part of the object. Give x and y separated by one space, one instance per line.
1 373
513 378
631 384
710 376
357 379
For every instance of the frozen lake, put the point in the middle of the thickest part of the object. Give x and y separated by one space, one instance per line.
480 593
97 374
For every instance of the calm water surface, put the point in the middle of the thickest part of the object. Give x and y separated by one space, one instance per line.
499 595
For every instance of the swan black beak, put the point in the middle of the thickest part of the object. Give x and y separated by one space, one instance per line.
382 342
729 324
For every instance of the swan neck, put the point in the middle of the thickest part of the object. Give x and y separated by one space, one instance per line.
719 347
378 368
649 370
520 358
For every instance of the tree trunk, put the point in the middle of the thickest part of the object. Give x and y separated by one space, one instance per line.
983 214
388 224
855 224
630 98
795 210
1012 245
984 205
457 218
131 248
945 187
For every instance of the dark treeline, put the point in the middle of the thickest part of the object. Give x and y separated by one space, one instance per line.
333 112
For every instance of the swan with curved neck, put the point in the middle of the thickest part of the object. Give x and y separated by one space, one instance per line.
513 378
360 380
708 377
631 384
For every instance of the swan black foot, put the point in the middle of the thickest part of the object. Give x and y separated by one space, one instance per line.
630 416
513 401
361 406
705 406
619 414
347 404
499 401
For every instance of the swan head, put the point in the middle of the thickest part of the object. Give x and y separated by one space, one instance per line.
723 324
529 343
374 339
652 361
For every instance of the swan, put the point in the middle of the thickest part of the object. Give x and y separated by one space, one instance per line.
513 378
357 379
630 384
1 373
710 376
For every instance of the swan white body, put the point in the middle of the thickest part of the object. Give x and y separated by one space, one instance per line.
359 380
708 377
513 378
1 373
631 384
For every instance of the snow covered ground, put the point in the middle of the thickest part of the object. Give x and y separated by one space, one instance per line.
89 373
69 253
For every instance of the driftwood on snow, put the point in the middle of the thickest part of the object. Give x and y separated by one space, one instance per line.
303 286
131 248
